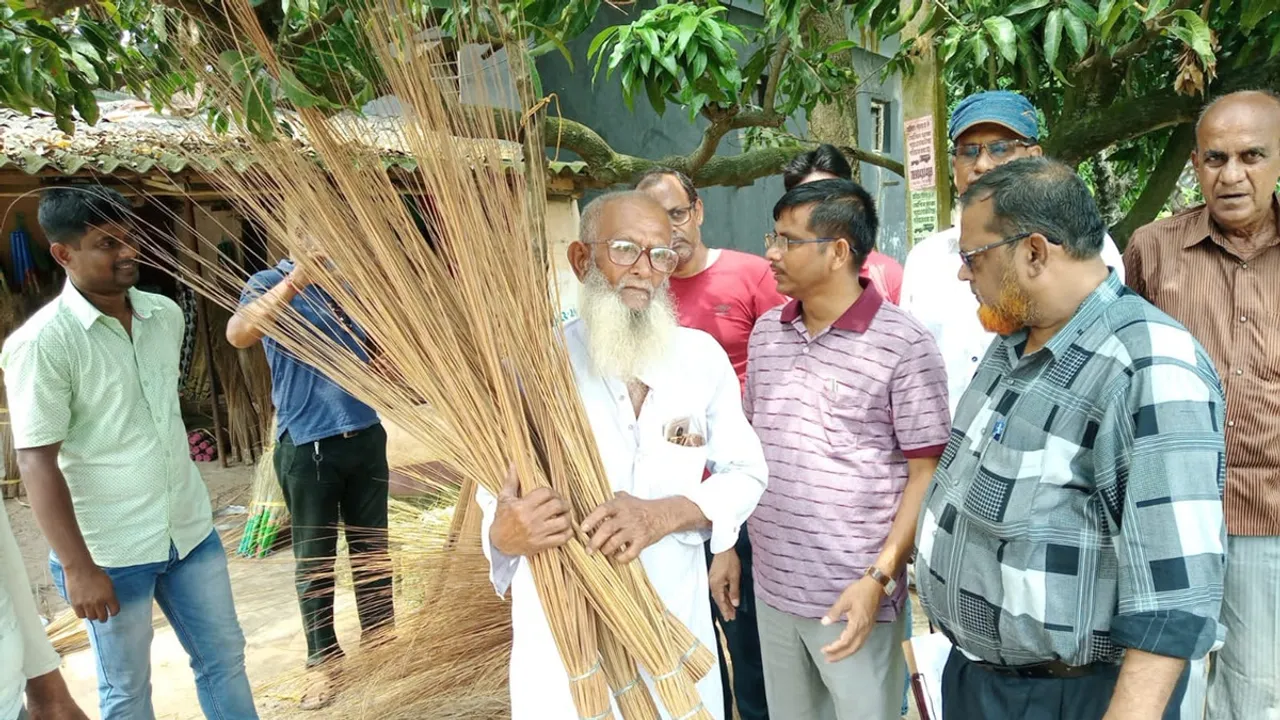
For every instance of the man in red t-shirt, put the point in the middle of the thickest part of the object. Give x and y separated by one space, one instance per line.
826 162
722 293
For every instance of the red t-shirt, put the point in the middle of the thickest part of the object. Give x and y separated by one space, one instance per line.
885 273
725 299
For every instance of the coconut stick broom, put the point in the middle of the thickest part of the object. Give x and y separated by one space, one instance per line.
462 324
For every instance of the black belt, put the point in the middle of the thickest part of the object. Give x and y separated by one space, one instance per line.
348 434
1051 669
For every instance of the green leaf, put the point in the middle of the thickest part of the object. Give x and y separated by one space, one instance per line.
669 64
650 39
1025 7
978 45
26 73
86 104
1006 39
656 98
1201 39
159 25
85 48
1104 9
85 67
687 27
1253 12
536 78
46 32
1275 46
1155 8
1087 12
1078 34
840 47
257 100
298 94
1110 19
600 39
1053 35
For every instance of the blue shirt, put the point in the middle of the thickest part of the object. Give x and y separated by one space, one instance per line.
309 406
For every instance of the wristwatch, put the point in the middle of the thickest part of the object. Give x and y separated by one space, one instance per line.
886 582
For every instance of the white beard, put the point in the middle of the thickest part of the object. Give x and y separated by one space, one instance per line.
622 342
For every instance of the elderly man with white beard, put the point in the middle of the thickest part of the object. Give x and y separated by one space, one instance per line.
644 381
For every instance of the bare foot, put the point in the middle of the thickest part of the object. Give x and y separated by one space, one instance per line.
321 688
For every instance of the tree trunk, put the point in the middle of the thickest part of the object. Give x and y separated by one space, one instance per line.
1107 190
835 120
1160 184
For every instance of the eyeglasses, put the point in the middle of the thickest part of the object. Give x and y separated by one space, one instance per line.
626 253
999 150
967 256
679 216
773 241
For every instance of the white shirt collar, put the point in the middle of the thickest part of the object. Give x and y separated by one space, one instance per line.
87 314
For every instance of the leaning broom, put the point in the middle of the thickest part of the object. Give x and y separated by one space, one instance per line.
464 324
268 516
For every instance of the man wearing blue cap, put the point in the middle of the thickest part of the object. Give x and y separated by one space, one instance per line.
987 130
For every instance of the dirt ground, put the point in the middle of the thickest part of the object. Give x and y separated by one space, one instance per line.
265 603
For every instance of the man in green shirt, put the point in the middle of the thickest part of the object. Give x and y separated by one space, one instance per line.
92 380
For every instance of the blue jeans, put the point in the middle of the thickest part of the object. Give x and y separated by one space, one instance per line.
195 595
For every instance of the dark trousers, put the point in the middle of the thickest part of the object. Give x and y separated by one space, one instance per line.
331 481
743 640
970 692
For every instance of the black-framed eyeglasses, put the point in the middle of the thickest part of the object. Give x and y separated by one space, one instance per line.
773 240
999 150
626 253
967 256
680 215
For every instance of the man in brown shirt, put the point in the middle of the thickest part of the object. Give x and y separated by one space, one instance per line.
1216 269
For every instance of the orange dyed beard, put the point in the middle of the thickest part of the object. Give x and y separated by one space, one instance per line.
1011 311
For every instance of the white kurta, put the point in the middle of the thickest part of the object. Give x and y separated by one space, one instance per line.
694 380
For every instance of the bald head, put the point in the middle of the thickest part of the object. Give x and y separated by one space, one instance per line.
590 224
1264 102
1237 160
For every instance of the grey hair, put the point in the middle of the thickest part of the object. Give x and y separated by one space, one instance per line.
1265 92
589 222
1040 195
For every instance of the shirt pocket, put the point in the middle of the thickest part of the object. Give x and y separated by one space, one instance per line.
675 469
844 412
1002 492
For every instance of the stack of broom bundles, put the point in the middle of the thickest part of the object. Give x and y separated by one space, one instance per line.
464 324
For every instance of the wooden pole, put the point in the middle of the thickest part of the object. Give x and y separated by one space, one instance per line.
188 235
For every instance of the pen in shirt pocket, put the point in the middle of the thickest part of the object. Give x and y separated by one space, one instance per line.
997 432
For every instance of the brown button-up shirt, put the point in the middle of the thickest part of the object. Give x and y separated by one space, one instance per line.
1229 298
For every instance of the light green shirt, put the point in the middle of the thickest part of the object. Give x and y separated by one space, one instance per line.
75 377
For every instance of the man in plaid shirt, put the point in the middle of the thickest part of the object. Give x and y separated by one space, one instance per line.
1071 542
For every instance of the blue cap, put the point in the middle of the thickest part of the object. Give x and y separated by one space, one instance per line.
1000 107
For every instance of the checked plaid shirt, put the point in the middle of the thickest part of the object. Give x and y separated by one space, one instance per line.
1077 509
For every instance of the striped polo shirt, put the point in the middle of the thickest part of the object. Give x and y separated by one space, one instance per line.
838 415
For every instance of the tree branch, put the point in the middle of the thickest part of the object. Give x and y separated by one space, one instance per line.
776 62
725 121
1083 133
1160 183
609 167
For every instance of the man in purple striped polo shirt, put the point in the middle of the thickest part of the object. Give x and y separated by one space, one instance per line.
848 394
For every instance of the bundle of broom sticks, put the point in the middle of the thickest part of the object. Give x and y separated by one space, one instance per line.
462 321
